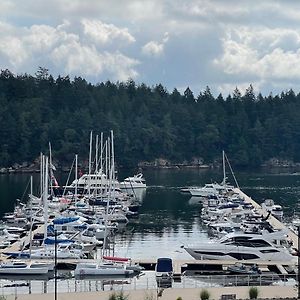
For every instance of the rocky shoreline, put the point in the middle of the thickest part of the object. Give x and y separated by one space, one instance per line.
160 163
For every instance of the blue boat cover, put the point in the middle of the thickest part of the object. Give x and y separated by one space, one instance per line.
65 220
51 241
164 265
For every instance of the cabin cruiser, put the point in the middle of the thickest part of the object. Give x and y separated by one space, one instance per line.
276 210
239 246
25 268
137 181
209 189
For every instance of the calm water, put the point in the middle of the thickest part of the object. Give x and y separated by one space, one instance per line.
169 219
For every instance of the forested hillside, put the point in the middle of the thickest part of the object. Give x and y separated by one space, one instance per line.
148 122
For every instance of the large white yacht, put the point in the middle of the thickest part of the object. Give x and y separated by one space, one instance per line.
239 246
137 181
93 181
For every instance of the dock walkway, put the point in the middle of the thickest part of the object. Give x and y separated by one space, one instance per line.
276 224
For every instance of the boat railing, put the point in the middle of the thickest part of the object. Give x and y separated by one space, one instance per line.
41 286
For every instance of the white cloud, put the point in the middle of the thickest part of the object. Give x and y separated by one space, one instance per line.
260 52
23 49
154 48
104 33
78 59
218 43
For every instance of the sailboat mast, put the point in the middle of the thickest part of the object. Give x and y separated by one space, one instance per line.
76 179
96 154
31 221
101 151
232 172
90 163
224 171
41 177
112 164
45 194
109 176
51 168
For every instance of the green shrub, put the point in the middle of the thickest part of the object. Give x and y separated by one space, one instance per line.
179 298
253 292
118 296
204 294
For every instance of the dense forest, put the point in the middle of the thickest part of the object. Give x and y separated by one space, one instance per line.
148 122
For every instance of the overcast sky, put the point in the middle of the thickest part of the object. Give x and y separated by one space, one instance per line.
179 43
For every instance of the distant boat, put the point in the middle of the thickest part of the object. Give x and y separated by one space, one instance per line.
137 181
276 210
101 269
213 189
25 268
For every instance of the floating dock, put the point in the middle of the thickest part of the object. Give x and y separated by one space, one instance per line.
275 223
179 266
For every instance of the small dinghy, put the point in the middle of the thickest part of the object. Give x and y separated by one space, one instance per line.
242 269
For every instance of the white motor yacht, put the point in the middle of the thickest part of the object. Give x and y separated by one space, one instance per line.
137 181
92 182
25 268
239 246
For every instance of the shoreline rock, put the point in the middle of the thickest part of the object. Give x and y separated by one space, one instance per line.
160 163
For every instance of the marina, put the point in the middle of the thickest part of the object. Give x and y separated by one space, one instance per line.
187 272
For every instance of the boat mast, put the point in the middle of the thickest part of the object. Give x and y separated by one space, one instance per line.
96 154
237 185
45 194
90 163
31 221
113 164
51 169
108 194
224 171
101 152
41 176
76 179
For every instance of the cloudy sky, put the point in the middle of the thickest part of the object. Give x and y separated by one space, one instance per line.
179 43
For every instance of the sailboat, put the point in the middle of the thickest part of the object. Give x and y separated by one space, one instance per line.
14 267
213 189
103 268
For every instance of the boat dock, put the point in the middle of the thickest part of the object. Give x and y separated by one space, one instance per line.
18 245
180 266
275 223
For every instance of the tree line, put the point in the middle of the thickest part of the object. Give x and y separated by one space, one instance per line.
148 122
